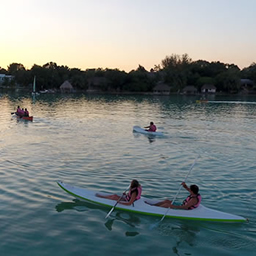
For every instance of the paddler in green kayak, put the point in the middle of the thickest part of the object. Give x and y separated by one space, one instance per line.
191 202
134 194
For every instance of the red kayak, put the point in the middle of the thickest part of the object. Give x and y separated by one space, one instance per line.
28 118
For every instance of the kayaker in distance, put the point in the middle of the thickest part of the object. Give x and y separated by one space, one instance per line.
151 127
191 202
21 112
26 113
127 199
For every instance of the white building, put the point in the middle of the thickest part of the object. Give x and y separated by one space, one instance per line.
4 77
208 88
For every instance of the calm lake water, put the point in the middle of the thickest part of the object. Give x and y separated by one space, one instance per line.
87 141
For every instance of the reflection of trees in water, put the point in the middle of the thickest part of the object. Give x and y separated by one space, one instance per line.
183 232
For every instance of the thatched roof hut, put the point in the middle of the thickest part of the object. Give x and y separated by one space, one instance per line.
66 87
190 89
162 88
246 82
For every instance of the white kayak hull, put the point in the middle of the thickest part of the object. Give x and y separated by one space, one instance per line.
143 131
140 206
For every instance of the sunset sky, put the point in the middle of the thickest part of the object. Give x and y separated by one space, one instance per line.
126 33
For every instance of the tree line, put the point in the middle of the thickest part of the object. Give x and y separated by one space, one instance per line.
177 71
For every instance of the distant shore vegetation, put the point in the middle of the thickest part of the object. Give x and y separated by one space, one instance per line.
175 71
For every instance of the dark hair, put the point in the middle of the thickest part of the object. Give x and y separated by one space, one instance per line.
194 189
135 184
151 123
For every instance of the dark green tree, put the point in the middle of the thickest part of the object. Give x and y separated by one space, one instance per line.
177 70
14 68
138 81
228 81
116 78
78 79
249 72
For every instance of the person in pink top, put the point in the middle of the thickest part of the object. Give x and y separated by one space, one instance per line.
19 111
26 113
134 194
151 127
191 202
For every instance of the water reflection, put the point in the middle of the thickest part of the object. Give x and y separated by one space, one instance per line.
80 206
151 138
183 232
127 218
75 205
128 233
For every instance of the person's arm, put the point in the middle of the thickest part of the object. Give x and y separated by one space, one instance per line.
133 198
185 186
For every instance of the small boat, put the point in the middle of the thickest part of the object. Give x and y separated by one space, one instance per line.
27 118
143 131
201 101
44 91
144 206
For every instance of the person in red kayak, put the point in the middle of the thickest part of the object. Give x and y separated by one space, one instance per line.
151 127
26 113
19 111
22 112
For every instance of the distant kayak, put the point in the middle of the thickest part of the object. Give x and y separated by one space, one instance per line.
143 206
27 118
201 101
143 131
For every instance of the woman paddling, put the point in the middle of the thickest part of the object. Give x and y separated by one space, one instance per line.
26 113
191 202
18 111
151 127
127 199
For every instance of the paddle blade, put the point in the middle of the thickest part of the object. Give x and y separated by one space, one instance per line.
154 225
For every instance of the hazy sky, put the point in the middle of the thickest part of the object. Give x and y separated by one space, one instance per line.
126 33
